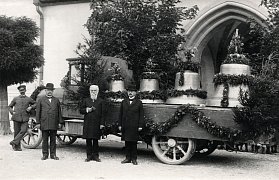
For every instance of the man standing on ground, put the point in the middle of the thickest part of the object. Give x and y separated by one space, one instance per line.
93 109
48 115
20 108
130 124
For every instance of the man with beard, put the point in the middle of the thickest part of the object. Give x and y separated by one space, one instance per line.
131 123
48 115
93 109
20 108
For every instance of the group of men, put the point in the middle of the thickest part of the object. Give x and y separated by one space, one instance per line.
49 120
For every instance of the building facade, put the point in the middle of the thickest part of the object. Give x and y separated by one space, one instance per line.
61 23
62 28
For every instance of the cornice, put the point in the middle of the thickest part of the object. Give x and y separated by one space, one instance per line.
44 3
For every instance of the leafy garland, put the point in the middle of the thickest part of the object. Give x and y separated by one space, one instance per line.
189 65
116 77
188 92
115 95
156 94
236 59
233 80
149 75
198 116
225 98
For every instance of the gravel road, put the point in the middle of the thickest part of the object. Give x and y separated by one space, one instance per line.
219 165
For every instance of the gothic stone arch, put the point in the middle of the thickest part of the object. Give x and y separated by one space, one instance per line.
210 32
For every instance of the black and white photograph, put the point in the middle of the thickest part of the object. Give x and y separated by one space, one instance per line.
139 89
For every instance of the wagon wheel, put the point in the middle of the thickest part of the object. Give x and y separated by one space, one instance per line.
173 150
65 139
33 136
206 150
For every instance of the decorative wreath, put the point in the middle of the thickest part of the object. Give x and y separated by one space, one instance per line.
189 92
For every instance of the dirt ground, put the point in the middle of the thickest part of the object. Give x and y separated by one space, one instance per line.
219 165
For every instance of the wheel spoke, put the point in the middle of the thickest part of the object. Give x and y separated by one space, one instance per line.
165 152
182 142
161 143
181 150
28 142
174 154
64 138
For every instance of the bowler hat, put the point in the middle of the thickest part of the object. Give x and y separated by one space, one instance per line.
131 87
21 87
50 86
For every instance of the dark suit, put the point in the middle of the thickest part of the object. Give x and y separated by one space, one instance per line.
130 119
48 115
92 122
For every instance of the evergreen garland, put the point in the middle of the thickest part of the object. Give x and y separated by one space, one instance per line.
225 98
160 128
189 92
149 75
233 80
156 94
115 95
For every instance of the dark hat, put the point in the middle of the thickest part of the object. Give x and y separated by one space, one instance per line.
131 87
50 86
21 87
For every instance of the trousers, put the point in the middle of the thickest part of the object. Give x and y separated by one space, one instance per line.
20 128
92 150
49 134
131 150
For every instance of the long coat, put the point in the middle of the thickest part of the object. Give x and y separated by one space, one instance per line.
48 114
93 120
130 119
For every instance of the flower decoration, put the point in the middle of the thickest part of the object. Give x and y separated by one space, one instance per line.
235 55
115 68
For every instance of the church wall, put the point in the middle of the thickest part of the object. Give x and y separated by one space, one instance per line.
63 31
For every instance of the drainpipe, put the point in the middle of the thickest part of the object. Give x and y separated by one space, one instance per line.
42 28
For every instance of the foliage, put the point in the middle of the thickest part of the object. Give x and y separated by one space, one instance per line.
116 73
136 30
149 75
235 51
232 79
201 120
156 94
188 92
19 56
90 67
260 112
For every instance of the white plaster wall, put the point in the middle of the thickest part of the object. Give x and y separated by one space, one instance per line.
63 31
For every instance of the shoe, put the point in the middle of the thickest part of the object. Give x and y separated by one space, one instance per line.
18 148
87 159
96 159
13 146
54 157
125 161
44 158
134 162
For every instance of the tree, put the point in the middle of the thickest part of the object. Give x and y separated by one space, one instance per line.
19 59
136 30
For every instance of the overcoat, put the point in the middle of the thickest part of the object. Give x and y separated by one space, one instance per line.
93 120
130 119
48 114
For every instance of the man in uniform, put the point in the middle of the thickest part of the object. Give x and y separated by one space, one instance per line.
20 108
131 123
48 115
93 109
